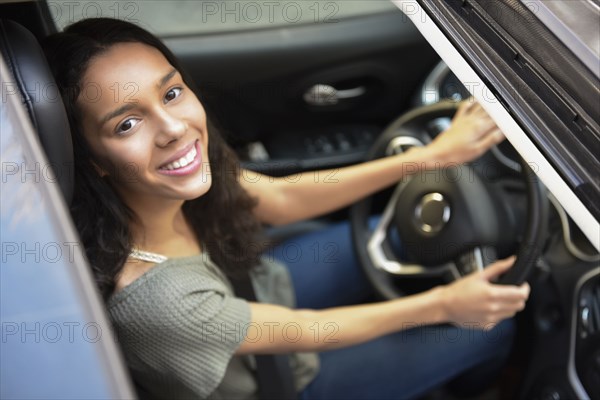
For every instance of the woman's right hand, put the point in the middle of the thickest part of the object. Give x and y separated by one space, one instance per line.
475 301
471 134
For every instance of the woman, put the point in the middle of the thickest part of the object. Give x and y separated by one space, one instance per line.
167 218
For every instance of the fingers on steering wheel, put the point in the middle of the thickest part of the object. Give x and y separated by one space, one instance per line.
507 293
493 137
466 106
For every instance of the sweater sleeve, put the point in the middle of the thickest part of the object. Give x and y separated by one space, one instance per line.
180 328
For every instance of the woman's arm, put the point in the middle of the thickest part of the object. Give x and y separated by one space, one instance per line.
470 302
310 194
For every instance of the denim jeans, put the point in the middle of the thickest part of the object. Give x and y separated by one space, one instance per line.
404 365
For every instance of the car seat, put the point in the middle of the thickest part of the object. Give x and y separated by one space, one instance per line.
41 98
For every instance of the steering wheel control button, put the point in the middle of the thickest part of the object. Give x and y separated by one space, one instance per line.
432 213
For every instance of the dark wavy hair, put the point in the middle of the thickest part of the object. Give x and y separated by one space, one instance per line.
222 219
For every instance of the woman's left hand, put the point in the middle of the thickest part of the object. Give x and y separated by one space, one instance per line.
471 134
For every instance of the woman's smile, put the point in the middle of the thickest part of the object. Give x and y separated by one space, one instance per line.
184 162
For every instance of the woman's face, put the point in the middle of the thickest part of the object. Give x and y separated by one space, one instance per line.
145 127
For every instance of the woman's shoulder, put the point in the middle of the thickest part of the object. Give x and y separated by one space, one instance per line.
174 277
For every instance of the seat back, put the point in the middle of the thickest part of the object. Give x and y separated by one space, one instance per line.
41 97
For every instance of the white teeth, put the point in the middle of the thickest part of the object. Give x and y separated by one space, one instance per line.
183 161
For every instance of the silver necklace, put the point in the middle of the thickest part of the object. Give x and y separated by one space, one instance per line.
147 256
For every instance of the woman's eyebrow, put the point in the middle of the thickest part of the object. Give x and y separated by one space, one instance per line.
163 81
127 107
117 112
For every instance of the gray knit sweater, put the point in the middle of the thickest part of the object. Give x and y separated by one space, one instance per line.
179 325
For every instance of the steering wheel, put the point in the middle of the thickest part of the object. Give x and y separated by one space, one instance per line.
450 221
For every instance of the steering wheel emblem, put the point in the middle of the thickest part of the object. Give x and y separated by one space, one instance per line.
432 213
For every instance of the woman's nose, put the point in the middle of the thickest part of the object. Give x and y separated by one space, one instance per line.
171 128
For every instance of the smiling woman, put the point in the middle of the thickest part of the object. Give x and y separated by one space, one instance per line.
120 130
168 225
141 132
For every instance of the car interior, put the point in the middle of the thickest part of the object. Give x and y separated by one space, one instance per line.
314 96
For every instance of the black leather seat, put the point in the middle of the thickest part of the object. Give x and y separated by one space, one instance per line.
41 97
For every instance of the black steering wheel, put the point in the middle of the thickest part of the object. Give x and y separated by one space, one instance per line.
450 221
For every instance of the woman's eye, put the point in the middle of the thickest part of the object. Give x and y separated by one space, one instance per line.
172 94
127 125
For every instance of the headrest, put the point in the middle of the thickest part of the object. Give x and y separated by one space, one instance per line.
34 82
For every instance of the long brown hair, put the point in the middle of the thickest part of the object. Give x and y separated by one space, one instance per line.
222 219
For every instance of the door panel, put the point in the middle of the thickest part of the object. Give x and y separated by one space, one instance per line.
254 82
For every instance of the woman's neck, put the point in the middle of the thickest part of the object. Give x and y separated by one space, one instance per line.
161 227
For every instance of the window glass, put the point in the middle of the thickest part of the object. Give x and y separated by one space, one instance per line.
184 17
